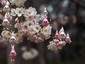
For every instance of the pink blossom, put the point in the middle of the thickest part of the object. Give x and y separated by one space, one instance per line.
24 31
8 16
56 41
26 18
40 39
35 36
56 35
61 43
3 2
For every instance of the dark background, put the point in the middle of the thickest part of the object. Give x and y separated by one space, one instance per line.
70 54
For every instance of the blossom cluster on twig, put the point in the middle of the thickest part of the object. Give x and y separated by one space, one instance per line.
19 22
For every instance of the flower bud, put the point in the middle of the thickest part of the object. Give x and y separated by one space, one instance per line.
13 38
12 53
56 35
16 20
5 22
45 11
45 22
62 34
68 38
6 8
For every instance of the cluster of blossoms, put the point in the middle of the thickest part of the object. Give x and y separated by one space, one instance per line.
32 53
32 26
14 2
59 41
19 22
18 2
26 23
28 55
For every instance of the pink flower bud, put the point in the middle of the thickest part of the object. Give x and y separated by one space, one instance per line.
7 15
12 53
45 22
56 35
16 20
26 18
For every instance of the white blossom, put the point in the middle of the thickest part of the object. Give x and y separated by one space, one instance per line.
46 30
34 53
61 32
6 34
6 8
7 3
36 28
18 2
52 46
27 55
37 18
68 38
19 11
12 38
13 12
31 30
31 11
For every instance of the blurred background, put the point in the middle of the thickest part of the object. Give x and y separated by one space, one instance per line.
67 13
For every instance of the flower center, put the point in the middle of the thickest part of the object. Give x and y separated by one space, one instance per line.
37 27
45 30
